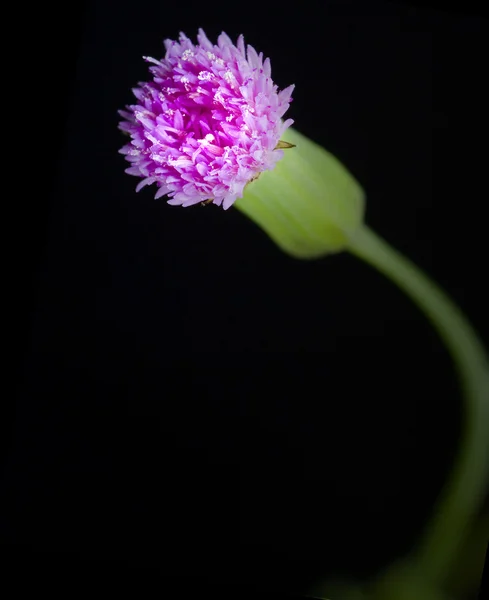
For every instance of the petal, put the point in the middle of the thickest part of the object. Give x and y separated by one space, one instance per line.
192 201
139 93
204 41
241 46
213 149
133 171
147 181
126 115
253 59
178 120
150 59
224 40
286 125
286 93
202 168
228 201
162 191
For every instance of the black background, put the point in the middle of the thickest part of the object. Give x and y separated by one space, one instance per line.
190 399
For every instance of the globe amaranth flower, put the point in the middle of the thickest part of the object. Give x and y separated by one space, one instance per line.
207 124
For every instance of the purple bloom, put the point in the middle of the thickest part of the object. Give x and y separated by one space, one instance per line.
207 124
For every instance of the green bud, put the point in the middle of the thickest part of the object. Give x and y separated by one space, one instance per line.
310 205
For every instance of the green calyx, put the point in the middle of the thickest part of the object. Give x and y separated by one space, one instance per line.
310 205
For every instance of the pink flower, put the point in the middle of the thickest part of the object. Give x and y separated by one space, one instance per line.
207 124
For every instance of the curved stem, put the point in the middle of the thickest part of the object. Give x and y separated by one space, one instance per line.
464 492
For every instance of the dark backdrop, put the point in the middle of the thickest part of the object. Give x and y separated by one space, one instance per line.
188 397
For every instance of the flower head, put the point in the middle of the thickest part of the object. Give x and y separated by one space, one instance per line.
207 124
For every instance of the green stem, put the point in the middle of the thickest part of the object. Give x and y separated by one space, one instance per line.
464 493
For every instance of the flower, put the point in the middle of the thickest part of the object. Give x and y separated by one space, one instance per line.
207 124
